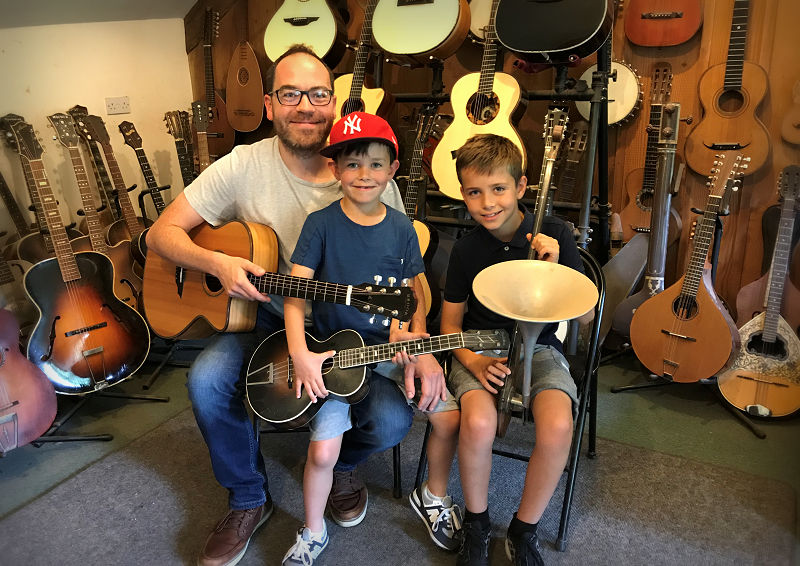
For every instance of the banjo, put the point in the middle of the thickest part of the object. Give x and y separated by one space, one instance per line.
624 92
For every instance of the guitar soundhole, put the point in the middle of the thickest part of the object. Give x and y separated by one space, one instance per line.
645 200
685 308
243 76
352 105
757 346
212 284
482 108
731 101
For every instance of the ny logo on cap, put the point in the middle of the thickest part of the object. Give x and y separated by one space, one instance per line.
353 123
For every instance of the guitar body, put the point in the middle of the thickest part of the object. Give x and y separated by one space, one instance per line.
440 27
14 299
86 339
750 302
221 136
119 232
244 90
32 248
273 399
662 23
127 284
372 101
507 92
311 22
428 241
764 375
729 120
202 307
636 215
713 338
27 398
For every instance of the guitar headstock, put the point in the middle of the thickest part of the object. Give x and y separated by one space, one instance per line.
64 128
789 182
393 302
727 168
486 340
576 144
211 27
26 142
200 115
5 129
662 83
174 126
131 136
92 128
555 124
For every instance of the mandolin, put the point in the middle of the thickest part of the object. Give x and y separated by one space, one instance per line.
179 128
662 23
684 333
270 383
244 88
730 93
85 339
186 304
764 379
483 103
221 136
310 22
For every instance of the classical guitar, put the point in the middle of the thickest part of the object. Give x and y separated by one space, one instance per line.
624 93
244 88
535 30
221 136
127 285
27 398
86 339
440 27
270 379
662 23
684 333
200 124
730 93
764 379
483 103
186 304
351 94
311 22
179 128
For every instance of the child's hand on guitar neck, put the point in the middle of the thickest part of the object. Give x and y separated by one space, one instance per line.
232 272
545 246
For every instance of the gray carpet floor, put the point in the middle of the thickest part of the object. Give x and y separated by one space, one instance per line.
155 501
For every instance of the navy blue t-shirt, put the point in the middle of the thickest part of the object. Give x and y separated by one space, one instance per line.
341 251
479 249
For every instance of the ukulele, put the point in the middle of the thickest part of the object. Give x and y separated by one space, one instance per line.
179 128
764 379
351 94
730 93
311 22
187 304
684 333
244 88
221 137
483 103
85 339
270 380
662 23
127 284
440 27
27 398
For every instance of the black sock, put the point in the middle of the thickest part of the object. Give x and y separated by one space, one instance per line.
518 526
482 518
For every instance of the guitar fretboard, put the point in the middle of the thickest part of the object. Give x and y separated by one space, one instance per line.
489 60
13 209
702 241
779 268
36 201
128 213
93 223
415 170
736 45
362 52
354 357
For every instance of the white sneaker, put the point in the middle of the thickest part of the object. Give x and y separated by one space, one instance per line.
441 517
306 548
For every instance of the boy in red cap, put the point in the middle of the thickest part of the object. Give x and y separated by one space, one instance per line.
350 241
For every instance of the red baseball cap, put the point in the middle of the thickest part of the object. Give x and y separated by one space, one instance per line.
360 126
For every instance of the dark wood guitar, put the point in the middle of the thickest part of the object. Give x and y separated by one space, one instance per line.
244 88
764 379
662 23
270 380
221 136
182 303
684 333
730 93
179 128
200 123
27 398
530 29
127 285
86 339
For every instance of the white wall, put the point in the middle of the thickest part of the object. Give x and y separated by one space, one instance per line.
49 69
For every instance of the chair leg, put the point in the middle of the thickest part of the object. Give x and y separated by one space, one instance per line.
423 456
592 449
398 487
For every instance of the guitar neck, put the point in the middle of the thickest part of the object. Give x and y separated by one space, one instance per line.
203 156
93 223
779 269
702 242
355 357
104 184
150 180
36 201
566 187
736 45
128 213
651 153
489 60
13 209
415 169
185 161
362 52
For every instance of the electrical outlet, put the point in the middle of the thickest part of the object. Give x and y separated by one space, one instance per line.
118 105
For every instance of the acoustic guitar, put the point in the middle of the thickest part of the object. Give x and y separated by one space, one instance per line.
270 379
662 23
310 22
244 88
179 128
684 333
86 339
483 103
27 399
730 93
221 136
764 379
185 304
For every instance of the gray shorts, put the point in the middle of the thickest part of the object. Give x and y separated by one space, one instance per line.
550 371
333 418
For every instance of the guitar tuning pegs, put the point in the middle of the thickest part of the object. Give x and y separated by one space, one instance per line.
372 319
391 281
386 321
404 282
378 279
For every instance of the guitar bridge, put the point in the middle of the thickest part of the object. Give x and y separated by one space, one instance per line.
676 335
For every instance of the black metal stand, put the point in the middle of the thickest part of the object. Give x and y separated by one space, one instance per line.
173 346
149 192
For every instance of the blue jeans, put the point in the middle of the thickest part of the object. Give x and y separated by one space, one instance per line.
216 390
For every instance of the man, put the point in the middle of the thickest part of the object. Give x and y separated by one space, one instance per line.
276 182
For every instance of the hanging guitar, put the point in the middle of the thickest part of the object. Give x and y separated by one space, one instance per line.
270 379
244 88
730 93
179 128
764 380
221 136
684 333
483 103
662 23
86 339
310 22
187 304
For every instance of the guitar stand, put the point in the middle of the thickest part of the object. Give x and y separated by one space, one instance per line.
660 381
173 347
149 192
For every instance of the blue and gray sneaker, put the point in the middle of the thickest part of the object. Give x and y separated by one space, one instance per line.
306 548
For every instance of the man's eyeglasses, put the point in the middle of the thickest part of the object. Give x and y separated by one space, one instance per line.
317 96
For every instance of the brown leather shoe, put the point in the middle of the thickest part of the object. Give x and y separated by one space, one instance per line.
348 499
227 543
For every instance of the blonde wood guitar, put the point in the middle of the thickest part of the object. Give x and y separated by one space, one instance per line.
311 22
483 103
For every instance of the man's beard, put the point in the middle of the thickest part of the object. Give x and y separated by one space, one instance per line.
305 144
